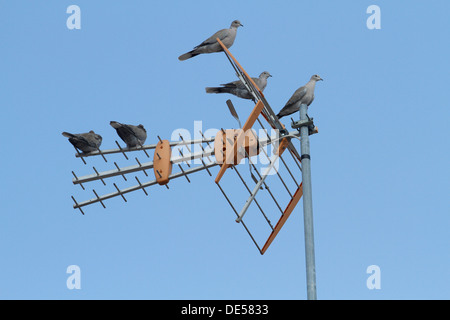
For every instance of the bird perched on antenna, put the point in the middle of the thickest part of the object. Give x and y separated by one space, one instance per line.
133 136
238 88
210 45
303 95
86 142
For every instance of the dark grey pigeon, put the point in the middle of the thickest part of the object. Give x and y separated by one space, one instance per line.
86 142
210 45
303 95
238 89
133 136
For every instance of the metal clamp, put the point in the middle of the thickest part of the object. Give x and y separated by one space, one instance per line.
302 123
305 123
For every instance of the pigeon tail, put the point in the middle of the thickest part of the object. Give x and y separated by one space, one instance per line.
188 55
68 135
217 90
115 124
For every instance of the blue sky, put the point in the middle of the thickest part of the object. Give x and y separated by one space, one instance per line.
380 168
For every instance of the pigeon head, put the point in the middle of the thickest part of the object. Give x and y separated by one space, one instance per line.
236 24
316 77
265 75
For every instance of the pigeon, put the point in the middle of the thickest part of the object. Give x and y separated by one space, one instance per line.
303 95
238 89
133 136
86 142
210 45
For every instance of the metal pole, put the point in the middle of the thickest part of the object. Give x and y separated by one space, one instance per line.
307 207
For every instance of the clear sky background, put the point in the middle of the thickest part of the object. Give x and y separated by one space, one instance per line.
380 163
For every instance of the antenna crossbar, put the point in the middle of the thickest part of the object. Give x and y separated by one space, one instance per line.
140 186
143 148
138 167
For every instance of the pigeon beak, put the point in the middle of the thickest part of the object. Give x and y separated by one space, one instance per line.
241 25
320 79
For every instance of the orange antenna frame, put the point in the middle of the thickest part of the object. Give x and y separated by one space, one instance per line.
261 108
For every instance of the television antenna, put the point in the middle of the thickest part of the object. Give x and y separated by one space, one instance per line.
229 149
